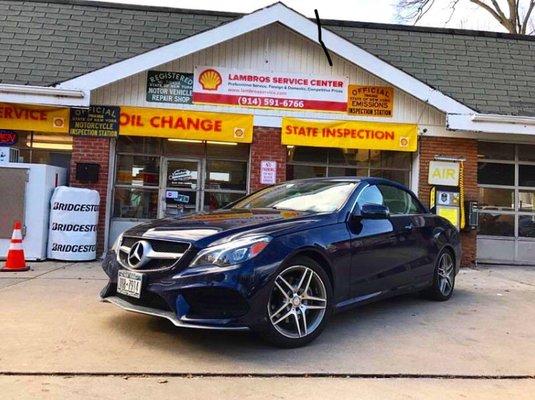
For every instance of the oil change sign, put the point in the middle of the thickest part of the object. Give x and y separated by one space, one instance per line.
186 124
350 134
169 87
101 121
246 88
371 101
34 118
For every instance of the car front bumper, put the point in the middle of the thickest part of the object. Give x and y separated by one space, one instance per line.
171 316
207 298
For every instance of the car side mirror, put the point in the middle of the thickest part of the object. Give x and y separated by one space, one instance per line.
374 211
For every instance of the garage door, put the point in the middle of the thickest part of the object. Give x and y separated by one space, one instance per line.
506 181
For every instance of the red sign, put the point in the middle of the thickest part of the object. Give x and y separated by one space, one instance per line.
217 85
8 138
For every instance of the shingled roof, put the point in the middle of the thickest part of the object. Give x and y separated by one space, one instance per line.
47 42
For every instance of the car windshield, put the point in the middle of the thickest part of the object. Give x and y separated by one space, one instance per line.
315 196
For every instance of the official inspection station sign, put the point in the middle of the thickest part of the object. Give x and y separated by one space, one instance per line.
371 101
98 121
246 88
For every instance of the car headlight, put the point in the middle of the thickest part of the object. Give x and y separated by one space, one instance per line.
231 253
117 243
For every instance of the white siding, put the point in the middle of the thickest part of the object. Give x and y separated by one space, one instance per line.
274 48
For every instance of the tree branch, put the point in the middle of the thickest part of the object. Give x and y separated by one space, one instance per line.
497 14
524 26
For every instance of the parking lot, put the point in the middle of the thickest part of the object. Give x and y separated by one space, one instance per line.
57 337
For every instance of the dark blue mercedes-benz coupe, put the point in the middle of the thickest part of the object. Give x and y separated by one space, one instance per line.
280 261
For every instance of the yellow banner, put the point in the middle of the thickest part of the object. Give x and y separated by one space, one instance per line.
350 134
34 118
185 124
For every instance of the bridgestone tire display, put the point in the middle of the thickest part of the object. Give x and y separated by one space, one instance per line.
73 224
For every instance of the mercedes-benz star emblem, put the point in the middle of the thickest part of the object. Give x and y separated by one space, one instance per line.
137 256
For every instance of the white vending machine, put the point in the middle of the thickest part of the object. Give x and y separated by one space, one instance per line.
25 191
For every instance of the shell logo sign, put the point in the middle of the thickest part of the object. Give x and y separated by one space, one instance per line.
210 79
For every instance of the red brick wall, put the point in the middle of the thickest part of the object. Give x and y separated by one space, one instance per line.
93 150
266 146
453 147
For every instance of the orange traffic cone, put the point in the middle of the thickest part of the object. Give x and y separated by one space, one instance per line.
15 261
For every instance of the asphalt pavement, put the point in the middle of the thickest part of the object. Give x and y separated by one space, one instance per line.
60 341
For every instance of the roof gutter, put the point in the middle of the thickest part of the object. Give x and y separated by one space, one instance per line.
492 123
43 95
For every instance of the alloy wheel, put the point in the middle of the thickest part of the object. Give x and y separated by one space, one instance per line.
445 274
298 302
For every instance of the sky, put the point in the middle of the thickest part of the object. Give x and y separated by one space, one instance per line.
467 16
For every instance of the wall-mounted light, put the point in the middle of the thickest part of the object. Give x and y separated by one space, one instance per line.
201 141
222 143
185 140
50 146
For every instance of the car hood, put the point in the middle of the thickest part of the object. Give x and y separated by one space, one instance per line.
203 228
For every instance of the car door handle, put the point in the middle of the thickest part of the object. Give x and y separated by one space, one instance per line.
408 227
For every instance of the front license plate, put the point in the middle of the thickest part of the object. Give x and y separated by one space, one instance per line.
129 283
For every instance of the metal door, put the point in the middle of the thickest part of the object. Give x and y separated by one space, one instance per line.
13 193
180 187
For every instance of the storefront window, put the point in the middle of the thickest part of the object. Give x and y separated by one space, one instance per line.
496 151
496 174
187 175
526 201
305 171
496 199
135 203
226 175
526 175
347 171
45 148
310 162
138 145
526 153
308 154
526 226
496 224
137 170
214 200
227 151
508 188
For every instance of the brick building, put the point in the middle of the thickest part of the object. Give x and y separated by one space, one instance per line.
459 96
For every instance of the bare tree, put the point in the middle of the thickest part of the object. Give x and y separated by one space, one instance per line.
513 15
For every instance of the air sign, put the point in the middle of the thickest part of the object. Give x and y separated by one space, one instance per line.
443 173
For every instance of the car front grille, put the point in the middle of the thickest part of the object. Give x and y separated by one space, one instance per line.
157 254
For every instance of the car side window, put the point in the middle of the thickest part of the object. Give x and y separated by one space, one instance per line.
399 201
370 195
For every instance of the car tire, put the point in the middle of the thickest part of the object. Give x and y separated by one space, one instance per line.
291 331
443 277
